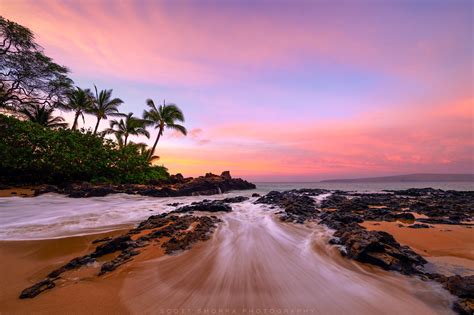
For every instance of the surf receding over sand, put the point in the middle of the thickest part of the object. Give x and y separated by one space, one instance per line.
253 263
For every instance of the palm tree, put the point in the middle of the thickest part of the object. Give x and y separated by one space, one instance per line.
165 116
80 101
128 126
104 105
142 149
43 116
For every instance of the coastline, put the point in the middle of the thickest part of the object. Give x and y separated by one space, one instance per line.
146 243
28 261
136 286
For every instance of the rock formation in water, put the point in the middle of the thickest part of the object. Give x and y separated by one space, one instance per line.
171 232
342 212
176 186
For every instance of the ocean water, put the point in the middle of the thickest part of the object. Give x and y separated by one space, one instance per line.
253 264
54 216
367 187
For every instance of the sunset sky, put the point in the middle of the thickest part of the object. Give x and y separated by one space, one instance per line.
280 90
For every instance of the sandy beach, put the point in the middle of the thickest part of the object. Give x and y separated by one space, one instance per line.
251 269
449 246
17 191
26 262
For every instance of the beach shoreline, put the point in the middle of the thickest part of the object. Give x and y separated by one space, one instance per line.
125 269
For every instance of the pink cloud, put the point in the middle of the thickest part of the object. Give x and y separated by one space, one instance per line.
409 140
151 42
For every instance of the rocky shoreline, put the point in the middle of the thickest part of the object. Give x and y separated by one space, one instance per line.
176 186
340 211
343 211
169 231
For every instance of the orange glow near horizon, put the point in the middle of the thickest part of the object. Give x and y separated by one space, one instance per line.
288 91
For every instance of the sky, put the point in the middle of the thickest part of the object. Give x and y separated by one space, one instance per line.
280 90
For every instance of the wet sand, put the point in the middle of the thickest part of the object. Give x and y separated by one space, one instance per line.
252 263
17 192
449 246
25 262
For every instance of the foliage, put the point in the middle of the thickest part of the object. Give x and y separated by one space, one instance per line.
31 153
38 148
80 102
104 105
43 116
27 75
164 116
127 127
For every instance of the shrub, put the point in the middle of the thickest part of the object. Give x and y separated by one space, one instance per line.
30 153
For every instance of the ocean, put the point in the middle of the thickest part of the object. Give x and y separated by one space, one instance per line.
55 216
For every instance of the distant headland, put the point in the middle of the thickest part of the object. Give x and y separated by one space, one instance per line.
408 178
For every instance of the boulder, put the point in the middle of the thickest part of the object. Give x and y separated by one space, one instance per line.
226 175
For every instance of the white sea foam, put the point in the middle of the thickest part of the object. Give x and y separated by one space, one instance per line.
55 216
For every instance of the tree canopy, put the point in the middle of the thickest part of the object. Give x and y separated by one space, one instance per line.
27 75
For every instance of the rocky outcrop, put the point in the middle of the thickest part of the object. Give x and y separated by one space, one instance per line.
176 186
297 205
440 207
377 248
419 226
220 205
462 287
205 205
173 233
343 211
37 288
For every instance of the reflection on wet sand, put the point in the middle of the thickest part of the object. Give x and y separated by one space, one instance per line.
449 247
255 262
252 263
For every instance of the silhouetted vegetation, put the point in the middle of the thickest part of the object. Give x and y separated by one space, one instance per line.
27 75
31 153
35 144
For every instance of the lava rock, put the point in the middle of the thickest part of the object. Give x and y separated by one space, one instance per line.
205 205
37 288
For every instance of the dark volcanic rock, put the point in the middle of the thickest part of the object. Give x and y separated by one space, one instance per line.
176 186
119 243
44 189
442 207
205 205
182 232
462 287
101 240
419 226
338 220
199 233
226 175
378 248
343 212
255 195
297 204
235 199
37 288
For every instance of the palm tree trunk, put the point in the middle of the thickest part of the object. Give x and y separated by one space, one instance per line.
97 125
156 142
125 142
74 125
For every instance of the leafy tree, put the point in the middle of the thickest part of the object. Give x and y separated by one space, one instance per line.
164 116
43 116
128 126
27 75
104 105
31 153
79 101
